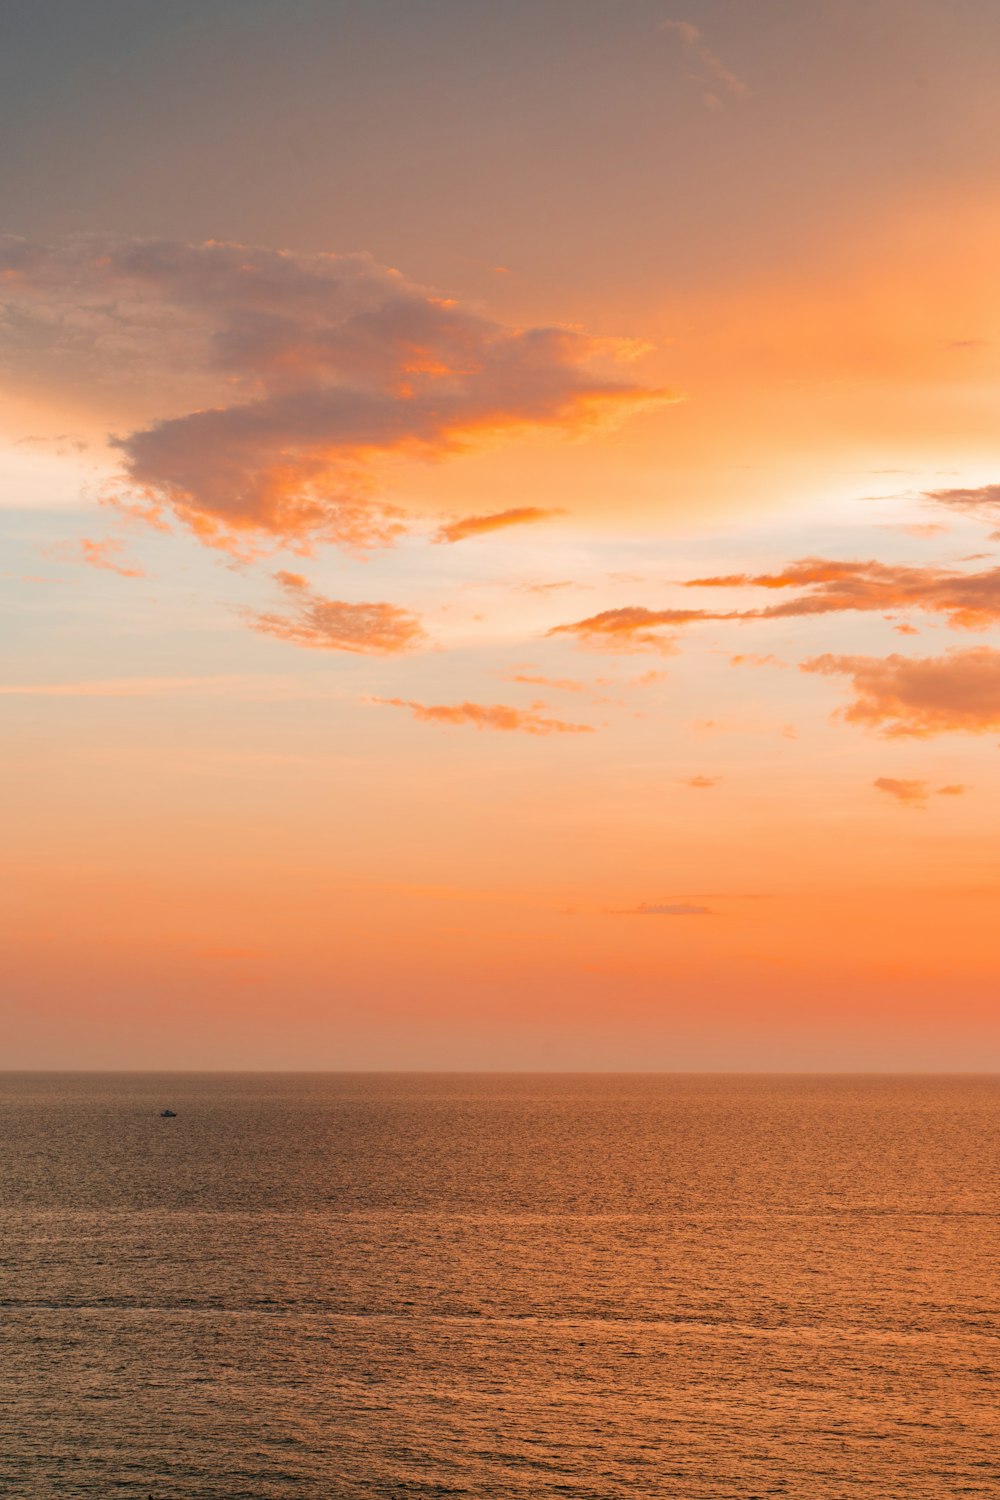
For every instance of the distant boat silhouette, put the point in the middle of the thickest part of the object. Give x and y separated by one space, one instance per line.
168 1114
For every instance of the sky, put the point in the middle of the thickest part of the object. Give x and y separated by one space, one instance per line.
500 508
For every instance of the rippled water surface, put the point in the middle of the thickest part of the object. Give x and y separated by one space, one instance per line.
410 1286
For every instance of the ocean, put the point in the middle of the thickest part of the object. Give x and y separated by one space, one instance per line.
349 1285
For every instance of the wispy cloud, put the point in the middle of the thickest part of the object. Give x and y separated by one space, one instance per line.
984 500
717 78
911 793
107 554
753 659
499 716
701 783
336 625
915 793
922 530
562 684
523 515
549 588
920 696
665 909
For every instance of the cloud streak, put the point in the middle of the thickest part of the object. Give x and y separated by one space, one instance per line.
969 601
914 793
523 515
665 909
499 716
106 554
630 628
563 684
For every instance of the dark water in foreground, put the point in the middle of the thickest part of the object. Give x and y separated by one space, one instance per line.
333 1286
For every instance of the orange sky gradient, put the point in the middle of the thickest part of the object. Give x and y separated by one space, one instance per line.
501 565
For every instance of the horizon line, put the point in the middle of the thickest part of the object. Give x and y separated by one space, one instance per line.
514 1072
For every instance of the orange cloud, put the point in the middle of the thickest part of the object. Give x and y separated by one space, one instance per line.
524 515
334 625
102 554
920 696
919 529
488 716
564 684
970 601
915 793
630 628
912 793
985 499
702 782
302 372
752 659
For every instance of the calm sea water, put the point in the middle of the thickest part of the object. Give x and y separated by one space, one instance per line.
347 1286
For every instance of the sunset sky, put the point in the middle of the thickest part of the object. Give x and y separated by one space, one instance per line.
501 506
